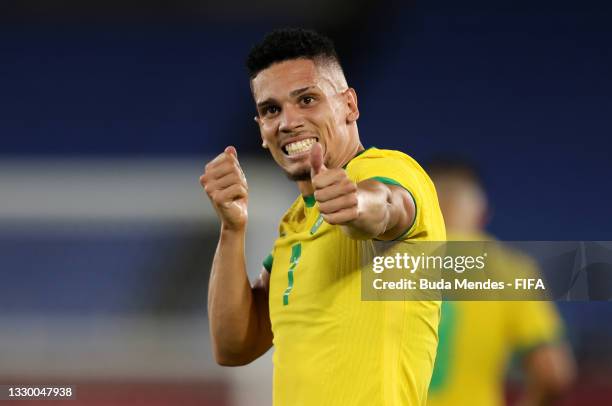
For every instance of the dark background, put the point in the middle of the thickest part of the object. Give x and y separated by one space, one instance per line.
521 89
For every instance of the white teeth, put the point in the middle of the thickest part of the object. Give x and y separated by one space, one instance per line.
299 147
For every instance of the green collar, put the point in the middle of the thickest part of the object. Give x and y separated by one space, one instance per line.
309 200
356 155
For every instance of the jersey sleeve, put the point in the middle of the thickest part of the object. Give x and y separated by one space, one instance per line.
398 170
533 324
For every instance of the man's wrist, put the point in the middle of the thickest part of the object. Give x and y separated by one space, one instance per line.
229 229
373 216
363 229
355 232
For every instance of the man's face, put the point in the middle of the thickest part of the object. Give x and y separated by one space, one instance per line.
299 103
463 203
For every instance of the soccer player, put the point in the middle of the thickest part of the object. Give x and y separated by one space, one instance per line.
331 348
477 339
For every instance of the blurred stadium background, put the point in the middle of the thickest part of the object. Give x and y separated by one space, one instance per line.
109 111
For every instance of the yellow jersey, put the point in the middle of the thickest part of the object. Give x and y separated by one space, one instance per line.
332 348
477 339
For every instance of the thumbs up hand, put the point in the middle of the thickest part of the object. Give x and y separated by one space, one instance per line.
333 190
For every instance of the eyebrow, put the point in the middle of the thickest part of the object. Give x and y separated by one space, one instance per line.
300 91
293 93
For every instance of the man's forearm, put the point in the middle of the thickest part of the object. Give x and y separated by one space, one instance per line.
230 299
385 212
369 209
238 313
374 211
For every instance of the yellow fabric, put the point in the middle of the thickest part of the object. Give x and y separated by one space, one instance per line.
480 338
331 348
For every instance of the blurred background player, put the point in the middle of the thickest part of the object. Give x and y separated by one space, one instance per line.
478 338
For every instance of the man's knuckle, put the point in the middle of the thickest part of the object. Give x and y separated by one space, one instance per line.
220 168
324 197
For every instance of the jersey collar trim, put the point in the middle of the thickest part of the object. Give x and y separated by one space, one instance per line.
309 200
356 155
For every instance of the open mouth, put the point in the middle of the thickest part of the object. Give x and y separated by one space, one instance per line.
299 147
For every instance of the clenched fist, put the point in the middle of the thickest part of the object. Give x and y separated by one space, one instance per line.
226 186
334 191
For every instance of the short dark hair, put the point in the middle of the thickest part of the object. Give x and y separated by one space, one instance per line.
458 167
290 43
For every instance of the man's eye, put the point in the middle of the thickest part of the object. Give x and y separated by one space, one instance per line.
270 110
307 99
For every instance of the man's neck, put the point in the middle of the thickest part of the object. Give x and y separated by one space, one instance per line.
305 187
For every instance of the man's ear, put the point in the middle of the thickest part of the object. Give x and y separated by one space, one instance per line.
351 102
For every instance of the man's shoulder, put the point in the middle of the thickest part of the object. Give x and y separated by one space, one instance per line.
384 160
374 152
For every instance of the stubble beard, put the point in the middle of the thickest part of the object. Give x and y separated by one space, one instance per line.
303 174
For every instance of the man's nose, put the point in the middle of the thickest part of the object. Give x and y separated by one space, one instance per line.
290 119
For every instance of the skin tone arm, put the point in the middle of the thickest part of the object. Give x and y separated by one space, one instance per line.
550 371
238 313
368 209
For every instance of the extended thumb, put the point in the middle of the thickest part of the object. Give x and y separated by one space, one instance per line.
316 159
232 151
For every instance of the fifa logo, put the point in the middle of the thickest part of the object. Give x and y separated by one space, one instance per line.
529 284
